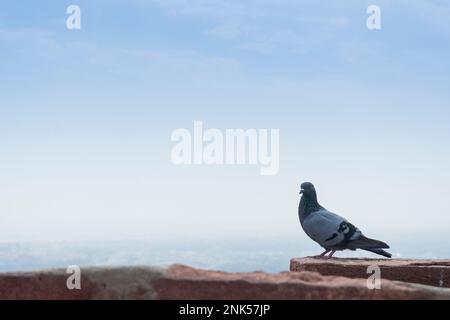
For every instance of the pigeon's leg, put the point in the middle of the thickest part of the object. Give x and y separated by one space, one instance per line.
331 254
321 256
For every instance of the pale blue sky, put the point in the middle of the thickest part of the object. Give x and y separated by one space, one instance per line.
86 116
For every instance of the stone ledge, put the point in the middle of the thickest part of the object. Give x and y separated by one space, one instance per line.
428 272
182 282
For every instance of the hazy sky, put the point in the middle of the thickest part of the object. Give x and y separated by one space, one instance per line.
86 116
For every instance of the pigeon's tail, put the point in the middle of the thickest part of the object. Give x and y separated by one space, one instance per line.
380 252
371 245
365 243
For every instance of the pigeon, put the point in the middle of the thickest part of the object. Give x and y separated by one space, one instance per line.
331 231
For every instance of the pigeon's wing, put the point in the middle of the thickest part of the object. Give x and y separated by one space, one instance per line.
329 229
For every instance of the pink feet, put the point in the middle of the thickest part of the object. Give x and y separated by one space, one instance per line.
324 256
321 257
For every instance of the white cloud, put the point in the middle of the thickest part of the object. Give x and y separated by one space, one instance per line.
66 55
263 26
361 52
230 30
436 12
215 8
331 21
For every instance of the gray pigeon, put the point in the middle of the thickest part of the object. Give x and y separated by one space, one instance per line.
330 231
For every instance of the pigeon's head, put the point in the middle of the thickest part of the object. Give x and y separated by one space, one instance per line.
307 190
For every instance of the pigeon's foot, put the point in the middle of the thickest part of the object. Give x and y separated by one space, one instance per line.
322 256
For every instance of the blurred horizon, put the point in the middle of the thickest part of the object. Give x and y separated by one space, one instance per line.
236 255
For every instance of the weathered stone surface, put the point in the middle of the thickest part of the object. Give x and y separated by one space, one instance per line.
96 283
186 283
428 272
181 282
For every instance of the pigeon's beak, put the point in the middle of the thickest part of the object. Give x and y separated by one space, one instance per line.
301 191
